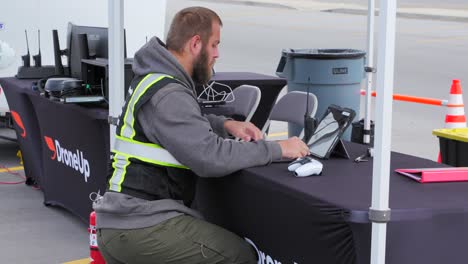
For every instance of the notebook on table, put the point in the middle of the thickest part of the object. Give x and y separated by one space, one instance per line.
424 175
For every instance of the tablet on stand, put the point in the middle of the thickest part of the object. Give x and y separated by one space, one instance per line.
326 139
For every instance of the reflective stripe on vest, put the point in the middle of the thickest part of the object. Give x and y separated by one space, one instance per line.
125 147
147 152
128 130
119 164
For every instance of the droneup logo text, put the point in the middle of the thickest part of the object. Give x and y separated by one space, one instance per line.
73 159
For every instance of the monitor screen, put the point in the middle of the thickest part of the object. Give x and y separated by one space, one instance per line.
83 42
329 130
96 42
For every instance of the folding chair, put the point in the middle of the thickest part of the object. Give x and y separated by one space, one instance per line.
243 101
291 108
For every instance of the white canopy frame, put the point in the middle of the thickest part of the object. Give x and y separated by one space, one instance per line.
379 212
116 62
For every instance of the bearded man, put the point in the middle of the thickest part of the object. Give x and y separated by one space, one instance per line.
164 143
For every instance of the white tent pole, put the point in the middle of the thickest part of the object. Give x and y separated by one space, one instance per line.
379 213
369 69
116 62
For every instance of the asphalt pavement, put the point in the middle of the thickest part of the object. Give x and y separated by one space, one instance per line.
452 10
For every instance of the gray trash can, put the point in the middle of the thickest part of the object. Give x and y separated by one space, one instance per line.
333 75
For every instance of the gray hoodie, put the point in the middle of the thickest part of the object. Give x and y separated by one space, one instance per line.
173 119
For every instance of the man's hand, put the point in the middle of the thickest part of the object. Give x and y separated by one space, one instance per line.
292 148
243 130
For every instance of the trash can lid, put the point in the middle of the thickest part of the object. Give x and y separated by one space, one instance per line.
460 134
325 54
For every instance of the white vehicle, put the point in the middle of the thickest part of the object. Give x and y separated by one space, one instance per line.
3 104
7 56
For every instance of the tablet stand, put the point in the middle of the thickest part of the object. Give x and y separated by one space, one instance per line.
340 150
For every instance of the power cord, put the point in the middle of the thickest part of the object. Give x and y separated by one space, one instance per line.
12 173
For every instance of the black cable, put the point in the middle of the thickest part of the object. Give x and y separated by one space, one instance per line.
102 91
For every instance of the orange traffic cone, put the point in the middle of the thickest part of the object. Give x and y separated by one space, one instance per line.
455 117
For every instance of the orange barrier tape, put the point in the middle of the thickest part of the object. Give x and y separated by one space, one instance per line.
414 99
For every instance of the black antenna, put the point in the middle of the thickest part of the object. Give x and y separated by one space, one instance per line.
309 122
26 58
146 39
39 39
59 70
37 58
308 92
27 41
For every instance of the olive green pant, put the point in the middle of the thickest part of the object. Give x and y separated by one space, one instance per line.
182 239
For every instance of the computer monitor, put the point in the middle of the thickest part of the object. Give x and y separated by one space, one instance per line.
83 42
86 43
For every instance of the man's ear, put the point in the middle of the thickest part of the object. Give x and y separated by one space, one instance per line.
195 45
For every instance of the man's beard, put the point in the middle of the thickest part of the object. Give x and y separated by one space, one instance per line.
201 70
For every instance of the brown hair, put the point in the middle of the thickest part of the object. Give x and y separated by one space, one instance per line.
189 22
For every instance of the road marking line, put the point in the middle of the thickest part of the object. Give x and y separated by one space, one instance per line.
279 134
12 169
79 261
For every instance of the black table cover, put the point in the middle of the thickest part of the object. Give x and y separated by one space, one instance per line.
324 219
60 139
26 126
